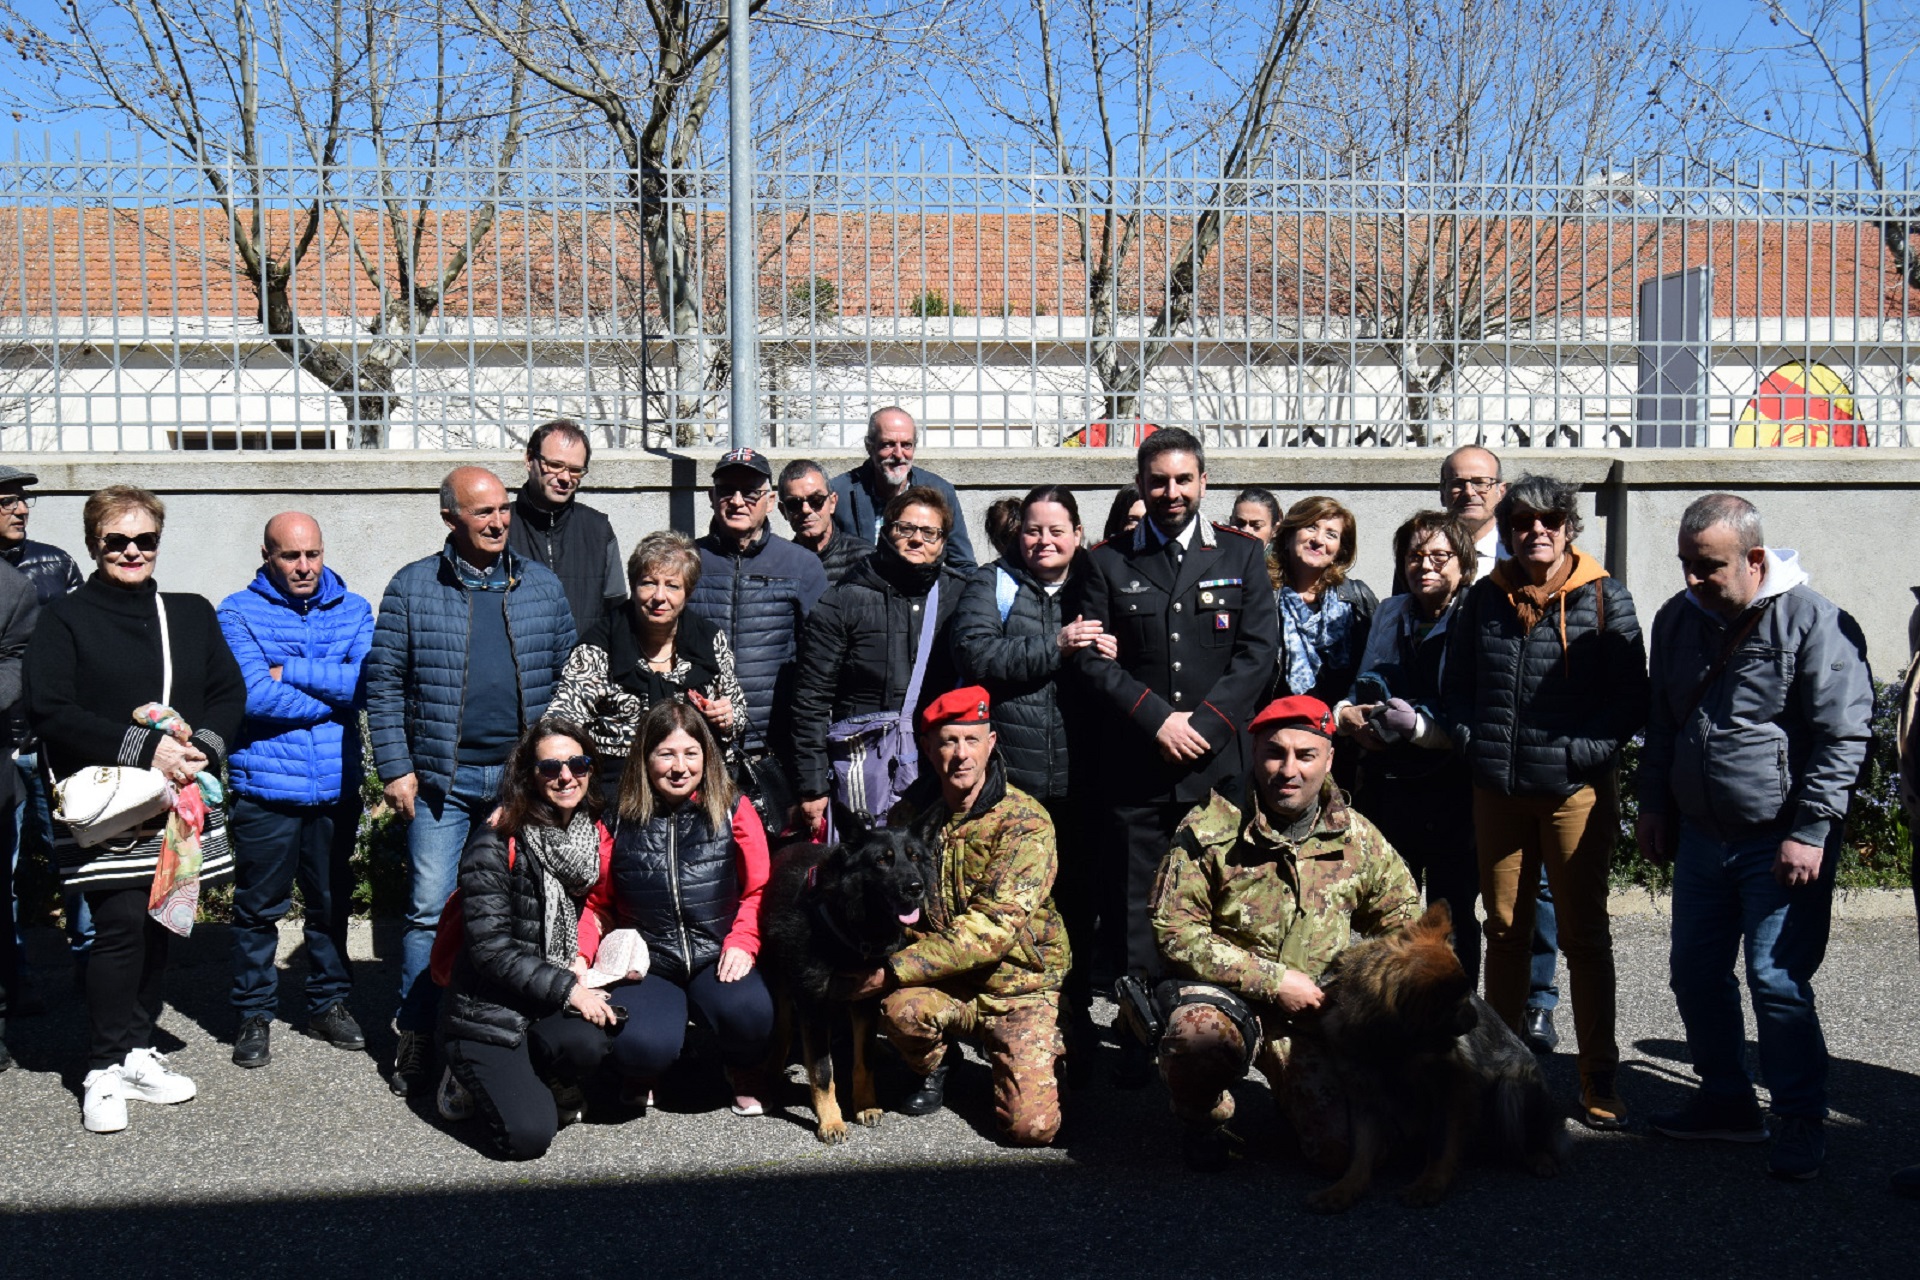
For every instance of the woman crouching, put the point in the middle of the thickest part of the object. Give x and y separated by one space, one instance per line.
521 1027
689 863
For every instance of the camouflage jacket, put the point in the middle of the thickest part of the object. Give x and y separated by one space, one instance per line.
1238 905
992 931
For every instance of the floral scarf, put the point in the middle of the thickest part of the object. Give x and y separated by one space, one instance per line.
1311 637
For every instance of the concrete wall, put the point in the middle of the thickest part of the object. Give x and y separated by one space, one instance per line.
1854 515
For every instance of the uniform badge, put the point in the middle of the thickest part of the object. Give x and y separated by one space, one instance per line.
1221 621
1206 597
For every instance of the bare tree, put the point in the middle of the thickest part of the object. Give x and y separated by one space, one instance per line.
340 80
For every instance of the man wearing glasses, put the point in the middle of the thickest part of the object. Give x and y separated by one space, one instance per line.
53 574
758 588
1470 488
888 472
809 504
551 526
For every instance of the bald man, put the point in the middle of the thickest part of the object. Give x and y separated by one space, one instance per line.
301 639
1471 487
466 654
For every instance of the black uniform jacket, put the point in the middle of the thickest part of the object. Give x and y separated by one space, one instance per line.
1201 639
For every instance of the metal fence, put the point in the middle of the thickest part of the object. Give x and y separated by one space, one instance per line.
1003 302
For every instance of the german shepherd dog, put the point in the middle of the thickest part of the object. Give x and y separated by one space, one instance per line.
1427 1066
834 909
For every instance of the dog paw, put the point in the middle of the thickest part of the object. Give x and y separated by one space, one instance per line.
1332 1200
833 1133
1423 1195
869 1117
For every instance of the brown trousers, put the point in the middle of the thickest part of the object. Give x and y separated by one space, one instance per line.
1022 1045
1573 837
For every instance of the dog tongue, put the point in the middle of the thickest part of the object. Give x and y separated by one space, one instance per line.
912 917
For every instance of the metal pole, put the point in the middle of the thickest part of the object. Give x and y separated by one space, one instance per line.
742 311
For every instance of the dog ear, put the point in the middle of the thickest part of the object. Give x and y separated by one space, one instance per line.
849 823
1437 919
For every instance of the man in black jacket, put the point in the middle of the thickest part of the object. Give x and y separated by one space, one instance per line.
552 527
18 610
809 504
1192 610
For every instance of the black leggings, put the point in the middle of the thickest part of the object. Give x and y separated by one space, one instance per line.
509 1086
740 1013
124 975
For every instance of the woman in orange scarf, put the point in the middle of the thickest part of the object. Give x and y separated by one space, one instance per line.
1546 679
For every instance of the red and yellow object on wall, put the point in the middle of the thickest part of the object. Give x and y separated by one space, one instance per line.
1101 435
1800 406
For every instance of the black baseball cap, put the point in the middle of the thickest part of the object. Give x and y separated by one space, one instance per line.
747 459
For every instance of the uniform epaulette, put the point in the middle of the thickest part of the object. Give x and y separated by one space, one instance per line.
1227 528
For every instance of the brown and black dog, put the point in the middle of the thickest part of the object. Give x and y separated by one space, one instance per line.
1426 1066
830 910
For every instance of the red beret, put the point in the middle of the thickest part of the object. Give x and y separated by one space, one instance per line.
1297 712
962 706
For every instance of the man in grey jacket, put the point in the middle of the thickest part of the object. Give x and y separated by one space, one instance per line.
863 493
1761 712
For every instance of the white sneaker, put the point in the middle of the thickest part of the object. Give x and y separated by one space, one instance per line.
104 1106
149 1079
451 1099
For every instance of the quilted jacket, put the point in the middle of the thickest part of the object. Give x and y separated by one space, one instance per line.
417 668
761 598
300 740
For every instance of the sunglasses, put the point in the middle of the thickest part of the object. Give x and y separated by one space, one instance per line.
578 766
1551 521
115 544
812 502
752 492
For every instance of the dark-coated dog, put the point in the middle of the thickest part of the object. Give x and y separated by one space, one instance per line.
828 910
1427 1066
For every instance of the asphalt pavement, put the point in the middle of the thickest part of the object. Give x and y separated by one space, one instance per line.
312 1167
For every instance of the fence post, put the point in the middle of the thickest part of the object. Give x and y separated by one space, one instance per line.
742 313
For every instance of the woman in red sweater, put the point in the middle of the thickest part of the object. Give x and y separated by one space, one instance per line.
686 869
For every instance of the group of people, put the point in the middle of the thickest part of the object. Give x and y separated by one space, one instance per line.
1201 755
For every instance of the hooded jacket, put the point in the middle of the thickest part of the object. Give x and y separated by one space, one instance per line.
300 740
1545 711
1773 747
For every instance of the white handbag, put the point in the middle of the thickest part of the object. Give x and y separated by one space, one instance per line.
100 803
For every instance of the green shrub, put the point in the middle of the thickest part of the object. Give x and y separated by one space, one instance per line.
934 303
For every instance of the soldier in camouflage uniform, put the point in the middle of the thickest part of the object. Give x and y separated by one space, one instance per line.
990 957
1257 902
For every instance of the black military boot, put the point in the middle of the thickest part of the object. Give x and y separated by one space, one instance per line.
931 1095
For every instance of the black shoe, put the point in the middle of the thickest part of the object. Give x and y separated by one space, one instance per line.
252 1047
337 1027
412 1064
1906 1182
931 1095
1136 1069
1540 1035
6 1058
1210 1150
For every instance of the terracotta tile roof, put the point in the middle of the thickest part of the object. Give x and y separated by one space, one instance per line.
104 262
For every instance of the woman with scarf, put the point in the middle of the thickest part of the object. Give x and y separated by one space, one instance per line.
119 674
857 652
520 1025
1411 783
1324 614
646 651
1546 679
688 865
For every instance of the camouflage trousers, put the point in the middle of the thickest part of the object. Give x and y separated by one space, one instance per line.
1201 1057
1021 1039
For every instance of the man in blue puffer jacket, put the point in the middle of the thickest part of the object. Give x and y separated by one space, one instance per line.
300 638
466 653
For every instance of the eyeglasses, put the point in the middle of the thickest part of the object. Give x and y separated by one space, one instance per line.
116 544
1460 484
553 468
1551 521
15 501
1438 559
578 766
812 502
752 492
911 532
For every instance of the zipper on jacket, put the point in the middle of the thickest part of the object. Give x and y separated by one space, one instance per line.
1513 739
673 879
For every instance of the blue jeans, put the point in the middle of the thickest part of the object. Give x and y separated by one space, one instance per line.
32 832
274 846
1725 894
1542 992
435 840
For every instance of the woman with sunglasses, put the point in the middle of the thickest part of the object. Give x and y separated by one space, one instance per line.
689 862
857 653
648 649
1411 782
520 1027
98 660
1546 679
